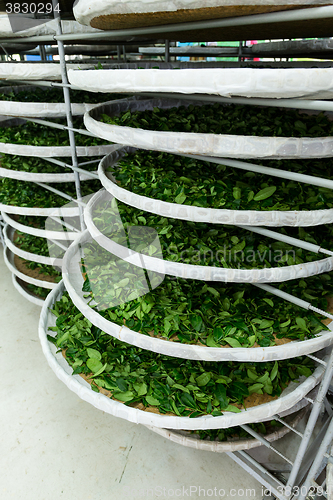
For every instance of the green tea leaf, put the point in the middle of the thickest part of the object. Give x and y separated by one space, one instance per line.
152 401
221 395
125 397
233 409
265 193
141 389
180 198
301 323
257 388
122 384
218 333
237 193
188 401
203 379
92 353
94 365
239 389
274 371
196 322
266 323
232 342
211 342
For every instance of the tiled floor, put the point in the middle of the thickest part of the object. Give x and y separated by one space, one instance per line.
55 446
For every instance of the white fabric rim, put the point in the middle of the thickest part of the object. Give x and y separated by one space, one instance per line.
294 393
57 151
218 145
42 109
9 261
25 294
316 83
224 446
21 175
205 273
47 28
35 231
35 71
271 218
41 259
40 212
73 281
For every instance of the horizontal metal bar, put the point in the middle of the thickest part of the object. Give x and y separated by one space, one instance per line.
264 441
291 298
295 103
60 245
60 193
275 172
199 51
317 360
278 419
45 83
89 162
287 239
65 224
320 311
256 470
93 175
61 127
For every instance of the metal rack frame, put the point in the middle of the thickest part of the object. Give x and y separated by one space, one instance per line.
301 474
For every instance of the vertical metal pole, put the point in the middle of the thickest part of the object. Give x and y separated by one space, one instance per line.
124 53
311 422
2 241
118 53
61 51
42 52
240 51
317 461
167 50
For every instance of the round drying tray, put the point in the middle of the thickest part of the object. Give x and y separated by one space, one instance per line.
9 257
218 145
25 293
192 271
35 231
40 212
185 438
35 71
73 281
42 109
44 28
54 151
37 109
316 83
9 233
199 214
115 15
21 175
294 393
